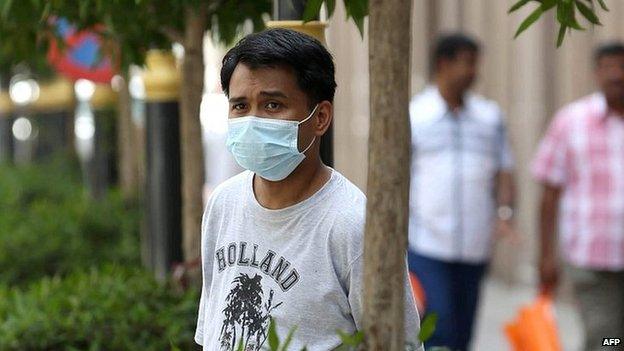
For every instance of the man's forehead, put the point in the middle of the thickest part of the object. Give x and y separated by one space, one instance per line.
243 70
611 58
276 81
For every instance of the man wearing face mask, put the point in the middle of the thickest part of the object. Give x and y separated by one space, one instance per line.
461 190
284 239
580 164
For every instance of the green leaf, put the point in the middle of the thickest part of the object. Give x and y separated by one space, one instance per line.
240 346
46 12
288 339
518 5
312 9
603 5
357 10
534 16
331 6
273 338
565 15
561 36
352 340
587 12
173 346
428 327
359 22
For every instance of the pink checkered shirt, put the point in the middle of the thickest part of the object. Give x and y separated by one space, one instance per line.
583 153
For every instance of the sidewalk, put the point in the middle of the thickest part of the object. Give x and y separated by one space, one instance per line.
500 303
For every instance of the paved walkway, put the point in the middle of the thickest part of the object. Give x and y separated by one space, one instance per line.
500 303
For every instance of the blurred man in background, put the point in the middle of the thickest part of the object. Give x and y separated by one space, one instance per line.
580 164
462 189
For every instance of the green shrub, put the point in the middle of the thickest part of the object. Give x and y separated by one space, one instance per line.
112 308
49 226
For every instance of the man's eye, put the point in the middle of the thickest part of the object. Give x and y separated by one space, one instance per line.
272 105
238 107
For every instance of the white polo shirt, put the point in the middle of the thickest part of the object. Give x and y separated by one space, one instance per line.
455 159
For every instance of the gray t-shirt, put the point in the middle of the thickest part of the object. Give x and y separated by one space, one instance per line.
301 265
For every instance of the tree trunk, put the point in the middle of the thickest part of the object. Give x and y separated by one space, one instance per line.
388 175
126 144
190 128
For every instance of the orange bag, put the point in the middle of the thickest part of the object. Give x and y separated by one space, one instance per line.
419 293
534 328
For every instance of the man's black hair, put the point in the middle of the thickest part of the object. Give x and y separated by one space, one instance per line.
311 63
608 49
448 46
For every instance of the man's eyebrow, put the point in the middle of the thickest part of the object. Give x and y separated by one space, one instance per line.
274 93
237 99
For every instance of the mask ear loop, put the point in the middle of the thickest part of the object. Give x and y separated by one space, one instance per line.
305 120
309 146
309 116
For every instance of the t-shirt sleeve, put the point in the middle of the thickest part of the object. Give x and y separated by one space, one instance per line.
355 280
549 164
356 292
207 249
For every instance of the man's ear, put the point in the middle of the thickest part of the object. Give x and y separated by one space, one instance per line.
324 116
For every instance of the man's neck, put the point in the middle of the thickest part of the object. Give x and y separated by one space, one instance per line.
616 105
301 184
453 97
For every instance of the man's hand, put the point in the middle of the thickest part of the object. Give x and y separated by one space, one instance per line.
505 229
548 274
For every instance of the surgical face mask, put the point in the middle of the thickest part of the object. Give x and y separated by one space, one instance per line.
265 146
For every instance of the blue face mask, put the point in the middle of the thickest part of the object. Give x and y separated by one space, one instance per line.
265 146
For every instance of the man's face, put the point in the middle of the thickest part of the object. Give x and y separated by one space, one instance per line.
610 75
270 92
461 71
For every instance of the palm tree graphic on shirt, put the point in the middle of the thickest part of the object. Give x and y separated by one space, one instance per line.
246 318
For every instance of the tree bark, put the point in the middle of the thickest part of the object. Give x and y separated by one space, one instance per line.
126 144
388 175
190 128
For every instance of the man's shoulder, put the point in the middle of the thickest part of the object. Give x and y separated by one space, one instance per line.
485 109
350 208
233 186
582 108
349 197
426 105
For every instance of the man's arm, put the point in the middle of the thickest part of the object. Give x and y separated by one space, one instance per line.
548 266
505 189
505 201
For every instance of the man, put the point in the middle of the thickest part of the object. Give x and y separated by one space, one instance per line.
284 239
580 164
462 189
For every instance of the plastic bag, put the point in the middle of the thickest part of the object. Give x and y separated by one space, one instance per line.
418 293
534 328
